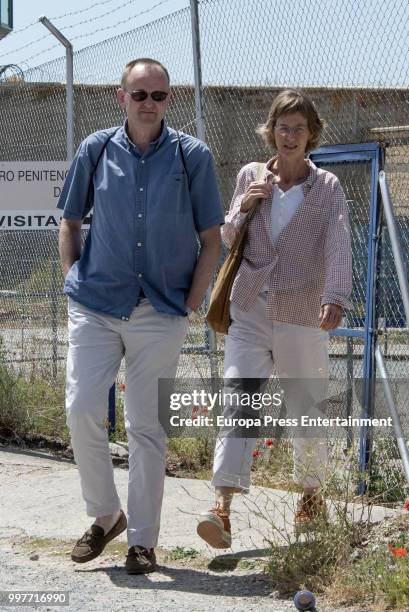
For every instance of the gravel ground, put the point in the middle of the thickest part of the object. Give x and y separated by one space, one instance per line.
104 585
41 515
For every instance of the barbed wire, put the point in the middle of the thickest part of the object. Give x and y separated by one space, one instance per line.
88 8
79 23
33 42
144 12
115 10
30 25
23 29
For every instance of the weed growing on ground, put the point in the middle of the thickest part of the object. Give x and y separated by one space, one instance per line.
378 570
180 552
311 559
31 402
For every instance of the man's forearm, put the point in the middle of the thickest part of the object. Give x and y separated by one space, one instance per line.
206 264
69 244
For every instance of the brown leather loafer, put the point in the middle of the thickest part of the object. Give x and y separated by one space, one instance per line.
94 541
140 560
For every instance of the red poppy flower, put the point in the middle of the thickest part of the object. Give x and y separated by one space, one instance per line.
401 552
406 505
256 453
268 442
397 552
121 386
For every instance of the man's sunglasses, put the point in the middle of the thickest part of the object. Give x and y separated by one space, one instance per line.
139 95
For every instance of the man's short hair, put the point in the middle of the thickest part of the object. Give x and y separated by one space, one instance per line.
147 61
292 101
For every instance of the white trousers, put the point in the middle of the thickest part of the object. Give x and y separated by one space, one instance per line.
253 345
151 343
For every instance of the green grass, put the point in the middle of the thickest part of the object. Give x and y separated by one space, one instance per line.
388 483
382 577
32 403
44 403
178 553
191 454
377 576
62 548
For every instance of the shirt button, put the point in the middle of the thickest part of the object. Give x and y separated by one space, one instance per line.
140 215
142 161
139 244
140 188
139 275
124 318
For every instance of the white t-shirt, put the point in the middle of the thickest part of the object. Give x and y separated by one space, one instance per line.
285 205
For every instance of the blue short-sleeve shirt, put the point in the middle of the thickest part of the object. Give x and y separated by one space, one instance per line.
147 212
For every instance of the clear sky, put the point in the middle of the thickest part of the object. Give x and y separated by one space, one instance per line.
330 43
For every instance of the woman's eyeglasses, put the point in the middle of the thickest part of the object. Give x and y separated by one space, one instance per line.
139 95
285 130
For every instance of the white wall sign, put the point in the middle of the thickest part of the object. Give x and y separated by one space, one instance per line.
29 193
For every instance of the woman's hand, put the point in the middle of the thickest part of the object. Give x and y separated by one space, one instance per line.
258 190
330 316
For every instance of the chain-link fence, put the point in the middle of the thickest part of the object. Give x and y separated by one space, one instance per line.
350 57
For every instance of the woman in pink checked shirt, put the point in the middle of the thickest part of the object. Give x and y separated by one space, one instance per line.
293 283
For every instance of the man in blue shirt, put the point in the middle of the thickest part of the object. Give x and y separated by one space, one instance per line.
154 197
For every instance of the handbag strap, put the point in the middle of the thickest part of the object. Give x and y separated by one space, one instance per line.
243 229
260 172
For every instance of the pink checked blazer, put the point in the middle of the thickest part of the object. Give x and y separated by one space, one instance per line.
311 262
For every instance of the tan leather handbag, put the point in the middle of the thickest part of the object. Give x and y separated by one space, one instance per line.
218 313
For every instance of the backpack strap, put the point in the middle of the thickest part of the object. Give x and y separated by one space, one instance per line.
182 155
99 152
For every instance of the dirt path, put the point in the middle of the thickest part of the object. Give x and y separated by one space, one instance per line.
42 513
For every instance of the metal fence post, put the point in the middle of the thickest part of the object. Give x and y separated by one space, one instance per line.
397 249
350 386
54 315
403 450
70 154
211 340
70 82
371 316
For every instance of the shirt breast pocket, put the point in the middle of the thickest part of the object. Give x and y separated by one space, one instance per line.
175 194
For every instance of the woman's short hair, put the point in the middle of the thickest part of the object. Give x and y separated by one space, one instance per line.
292 101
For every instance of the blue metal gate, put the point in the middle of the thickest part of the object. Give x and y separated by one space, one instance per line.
371 154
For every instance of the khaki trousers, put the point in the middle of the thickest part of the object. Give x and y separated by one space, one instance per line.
151 343
253 346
